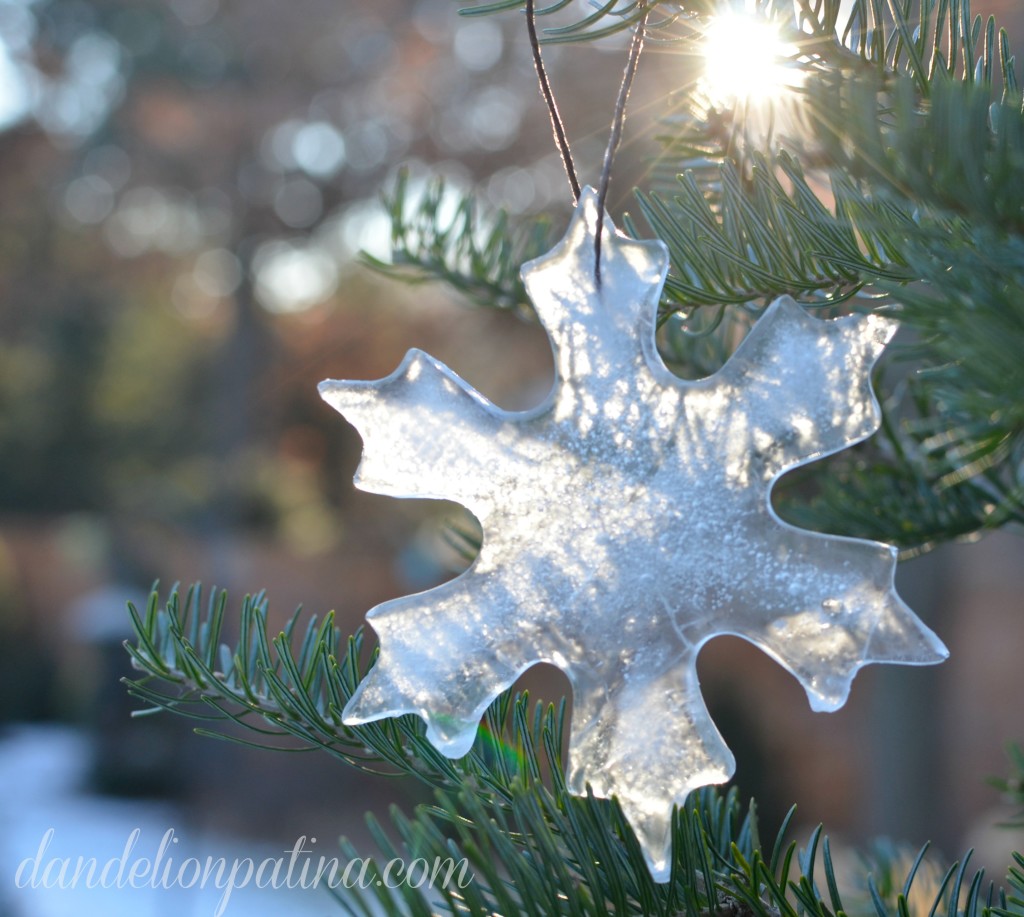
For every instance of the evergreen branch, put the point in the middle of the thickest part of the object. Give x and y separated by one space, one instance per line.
1012 787
1015 904
882 498
559 856
960 154
266 685
439 236
944 40
533 847
969 312
762 240
879 55
956 459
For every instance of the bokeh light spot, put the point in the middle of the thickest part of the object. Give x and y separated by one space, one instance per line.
298 203
217 272
292 278
478 44
318 148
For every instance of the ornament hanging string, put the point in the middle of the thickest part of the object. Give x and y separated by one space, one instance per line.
557 126
615 138
618 119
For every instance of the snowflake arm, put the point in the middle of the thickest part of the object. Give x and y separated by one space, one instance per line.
426 433
828 362
431 662
602 336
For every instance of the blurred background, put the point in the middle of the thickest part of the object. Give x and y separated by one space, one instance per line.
185 186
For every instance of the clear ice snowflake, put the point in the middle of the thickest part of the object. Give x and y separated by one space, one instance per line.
627 521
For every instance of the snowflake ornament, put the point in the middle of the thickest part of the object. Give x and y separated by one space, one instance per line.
626 521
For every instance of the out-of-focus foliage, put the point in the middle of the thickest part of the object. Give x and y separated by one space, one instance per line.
440 236
1013 785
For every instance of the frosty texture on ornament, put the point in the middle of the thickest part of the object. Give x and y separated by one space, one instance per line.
627 520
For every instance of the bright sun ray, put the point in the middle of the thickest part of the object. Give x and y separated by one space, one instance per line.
746 60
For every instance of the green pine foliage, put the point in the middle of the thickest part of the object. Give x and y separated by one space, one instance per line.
439 236
1012 787
532 847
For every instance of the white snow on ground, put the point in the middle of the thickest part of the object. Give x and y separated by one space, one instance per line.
41 772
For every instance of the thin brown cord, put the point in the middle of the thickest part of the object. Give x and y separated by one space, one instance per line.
618 119
549 98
